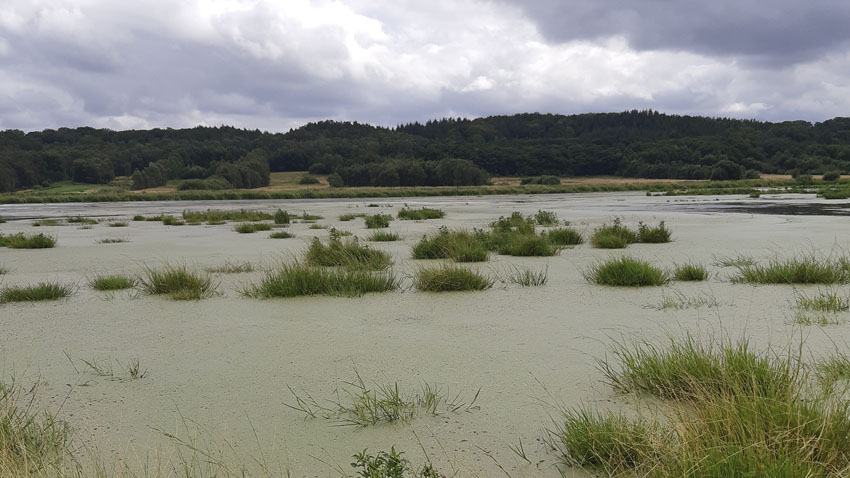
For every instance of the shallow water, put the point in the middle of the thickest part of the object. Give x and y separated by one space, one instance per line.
226 363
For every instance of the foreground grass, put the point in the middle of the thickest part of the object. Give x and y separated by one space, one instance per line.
825 301
299 279
112 282
33 293
178 282
450 278
28 241
626 272
736 412
810 268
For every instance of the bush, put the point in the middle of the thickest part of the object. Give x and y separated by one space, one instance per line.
831 176
307 179
626 272
335 181
378 221
448 277
544 180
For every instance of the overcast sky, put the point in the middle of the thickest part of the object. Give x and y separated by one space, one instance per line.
276 64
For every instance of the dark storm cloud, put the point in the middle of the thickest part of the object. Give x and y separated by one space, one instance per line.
773 32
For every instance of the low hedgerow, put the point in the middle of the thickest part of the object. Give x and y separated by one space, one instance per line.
299 279
689 272
33 293
626 272
178 282
450 277
420 214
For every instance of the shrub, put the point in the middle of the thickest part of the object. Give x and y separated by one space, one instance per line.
377 221
112 282
831 176
24 241
690 272
544 180
420 214
564 237
449 277
626 272
335 181
345 253
178 282
32 293
653 235
307 179
298 279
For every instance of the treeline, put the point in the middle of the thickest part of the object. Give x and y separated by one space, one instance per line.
442 152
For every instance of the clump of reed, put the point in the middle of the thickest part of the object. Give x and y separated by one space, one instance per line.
117 224
809 268
33 293
178 282
564 237
218 216
654 235
626 272
459 245
349 253
309 217
546 218
47 222
300 279
112 282
171 221
527 277
450 278
420 214
282 217
383 236
690 271
281 235
825 301
28 241
614 236
251 227
377 221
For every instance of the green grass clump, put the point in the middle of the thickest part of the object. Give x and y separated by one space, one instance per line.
32 293
615 236
178 282
80 220
171 221
546 218
830 301
318 226
309 217
281 235
626 272
231 268
516 222
307 179
117 224
282 217
449 278
251 227
383 236
390 465
112 282
525 245
3 269
299 279
800 269
350 216
377 221
460 245
564 237
217 216
111 240
345 253
28 241
654 235
420 214
527 277
47 222
139 217
690 272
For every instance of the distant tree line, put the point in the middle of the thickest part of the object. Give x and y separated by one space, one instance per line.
449 151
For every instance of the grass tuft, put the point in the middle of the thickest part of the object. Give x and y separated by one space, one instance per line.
449 278
299 279
345 253
420 214
178 282
33 293
546 218
654 235
690 272
377 221
350 216
383 236
564 237
111 240
251 227
829 301
117 224
81 220
28 241
527 277
800 269
231 268
281 235
460 245
626 272
615 236
112 282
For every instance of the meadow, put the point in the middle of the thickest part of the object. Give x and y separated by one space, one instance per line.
493 337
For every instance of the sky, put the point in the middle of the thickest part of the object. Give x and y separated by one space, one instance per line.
277 64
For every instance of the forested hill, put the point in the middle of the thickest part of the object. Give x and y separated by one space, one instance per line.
447 151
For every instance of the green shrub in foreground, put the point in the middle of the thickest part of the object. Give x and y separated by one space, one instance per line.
178 282
450 277
298 279
37 292
626 272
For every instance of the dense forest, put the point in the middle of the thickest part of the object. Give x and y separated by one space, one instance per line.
442 152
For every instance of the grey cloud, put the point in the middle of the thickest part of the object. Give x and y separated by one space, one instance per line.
774 32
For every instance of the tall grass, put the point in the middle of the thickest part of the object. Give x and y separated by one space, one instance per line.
564 237
33 293
420 214
825 301
178 282
527 277
808 268
626 272
615 236
28 241
250 227
654 235
546 218
516 222
524 245
112 282
449 278
690 271
299 279
345 253
383 236
377 221
459 245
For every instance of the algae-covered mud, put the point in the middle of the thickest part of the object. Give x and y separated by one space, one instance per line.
274 383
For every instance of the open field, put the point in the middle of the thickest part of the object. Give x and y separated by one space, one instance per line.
229 367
